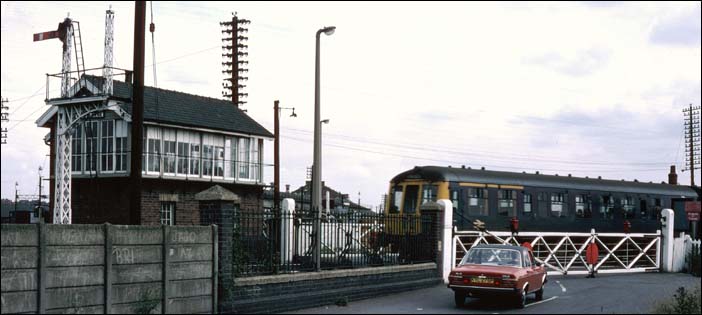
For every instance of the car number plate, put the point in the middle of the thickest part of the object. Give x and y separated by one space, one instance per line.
481 280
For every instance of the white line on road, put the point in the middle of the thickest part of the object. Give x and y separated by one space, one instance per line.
562 287
542 301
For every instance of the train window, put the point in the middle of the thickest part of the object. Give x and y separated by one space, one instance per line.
411 195
477 201
628 207
559 204
396 201
656 213
527 203
583 207
454 199
644 208
506 203
429 193
607 207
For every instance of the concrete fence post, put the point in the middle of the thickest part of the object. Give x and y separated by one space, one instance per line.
446 241
668 220
286 231
165 271
41 289
107 227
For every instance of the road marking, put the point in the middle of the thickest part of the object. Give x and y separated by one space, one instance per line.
562 287
542 301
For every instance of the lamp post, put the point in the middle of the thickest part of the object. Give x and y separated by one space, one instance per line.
317 165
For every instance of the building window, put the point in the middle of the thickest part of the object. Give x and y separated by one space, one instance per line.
429 193
194 154
183 152
583 208
207 153
219 156
506 203
121 145
527 203
153 150
607 207
107 139
244 158
629 207
230 145
254 160
91 145
558 204
167 213
169 151
77 149
477 201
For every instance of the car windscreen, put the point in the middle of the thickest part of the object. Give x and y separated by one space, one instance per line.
493 257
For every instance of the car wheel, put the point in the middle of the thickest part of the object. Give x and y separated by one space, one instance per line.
540 294
460 298
521 299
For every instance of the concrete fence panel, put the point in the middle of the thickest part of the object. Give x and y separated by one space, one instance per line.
108 269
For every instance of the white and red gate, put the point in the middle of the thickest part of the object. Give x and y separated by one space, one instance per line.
564 253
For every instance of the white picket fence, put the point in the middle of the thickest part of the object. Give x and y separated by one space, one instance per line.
682 246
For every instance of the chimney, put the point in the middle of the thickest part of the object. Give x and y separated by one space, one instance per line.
672 176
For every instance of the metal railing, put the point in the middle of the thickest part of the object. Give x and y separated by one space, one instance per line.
564 253
284 242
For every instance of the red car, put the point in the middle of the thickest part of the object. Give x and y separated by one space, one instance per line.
488 270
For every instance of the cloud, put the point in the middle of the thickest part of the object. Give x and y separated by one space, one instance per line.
579 64
683 29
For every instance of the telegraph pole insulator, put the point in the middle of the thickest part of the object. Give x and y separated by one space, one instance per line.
234 54
692 140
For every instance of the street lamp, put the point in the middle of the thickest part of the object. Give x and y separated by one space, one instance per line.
317 164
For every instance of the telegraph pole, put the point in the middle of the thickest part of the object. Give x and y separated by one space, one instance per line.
41 218
276 157
692 140
236 52
137 113
5 119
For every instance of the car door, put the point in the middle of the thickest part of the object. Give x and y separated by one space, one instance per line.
533 274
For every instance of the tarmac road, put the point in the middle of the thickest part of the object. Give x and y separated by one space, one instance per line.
621 293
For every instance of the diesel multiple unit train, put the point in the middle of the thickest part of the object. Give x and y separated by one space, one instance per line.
540 202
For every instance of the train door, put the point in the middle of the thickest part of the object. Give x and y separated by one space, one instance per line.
411 199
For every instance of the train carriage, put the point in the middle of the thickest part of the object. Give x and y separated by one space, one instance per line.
540 202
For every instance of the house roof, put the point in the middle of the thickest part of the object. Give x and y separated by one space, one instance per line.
183 109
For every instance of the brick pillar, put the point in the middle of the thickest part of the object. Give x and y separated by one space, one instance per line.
218 206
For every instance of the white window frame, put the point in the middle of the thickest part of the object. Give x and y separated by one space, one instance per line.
153 133
169 135
110 154
121 132
167 207
78 136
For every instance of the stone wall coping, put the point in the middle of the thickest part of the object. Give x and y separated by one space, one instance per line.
217 193
305 276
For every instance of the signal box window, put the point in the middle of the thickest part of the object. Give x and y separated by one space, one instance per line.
507 205
411 195
167 212
527 203
558 204
477 201
607 207
583 207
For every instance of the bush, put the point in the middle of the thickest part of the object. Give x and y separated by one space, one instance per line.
682 303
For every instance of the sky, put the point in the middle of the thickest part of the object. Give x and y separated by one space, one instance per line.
582 88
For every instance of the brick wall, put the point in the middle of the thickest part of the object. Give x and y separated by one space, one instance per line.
100 200
271 294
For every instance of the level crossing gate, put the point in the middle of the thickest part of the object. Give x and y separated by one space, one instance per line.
564 253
